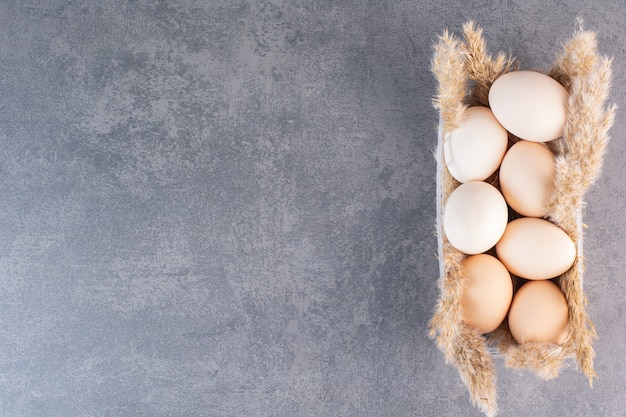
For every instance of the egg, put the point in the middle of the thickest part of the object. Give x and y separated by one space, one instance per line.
474 150
487 293
475 217
535 249
529 104
527 175
539 313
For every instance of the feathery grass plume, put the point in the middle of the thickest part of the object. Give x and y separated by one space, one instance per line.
576 59
581 151
462 346
544 359
475 365
481 67
579 158
447 65
581 329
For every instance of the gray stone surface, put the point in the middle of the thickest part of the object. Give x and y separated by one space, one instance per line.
227 208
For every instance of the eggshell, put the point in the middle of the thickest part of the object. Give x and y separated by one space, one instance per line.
527 177
474 150
539 313
529 104
475 217
534 248
487 294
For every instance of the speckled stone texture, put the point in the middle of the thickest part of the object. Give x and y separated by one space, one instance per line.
227 208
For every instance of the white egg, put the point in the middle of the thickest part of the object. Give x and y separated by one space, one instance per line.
475 217
474 150
529 104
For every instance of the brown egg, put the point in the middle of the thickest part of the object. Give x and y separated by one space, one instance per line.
527 177
488 292
534 248
539 313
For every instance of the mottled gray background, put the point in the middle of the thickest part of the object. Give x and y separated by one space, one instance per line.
227 208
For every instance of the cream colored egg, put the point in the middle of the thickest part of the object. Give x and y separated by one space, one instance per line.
475 217
534 248
527 177
529 104
487 294
474 150
539 313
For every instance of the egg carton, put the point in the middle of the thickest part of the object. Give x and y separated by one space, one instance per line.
465 72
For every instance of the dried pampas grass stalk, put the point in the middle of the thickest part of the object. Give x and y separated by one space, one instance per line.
463 347
581 151
480 66
465 72
579 157
447 65
542 358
